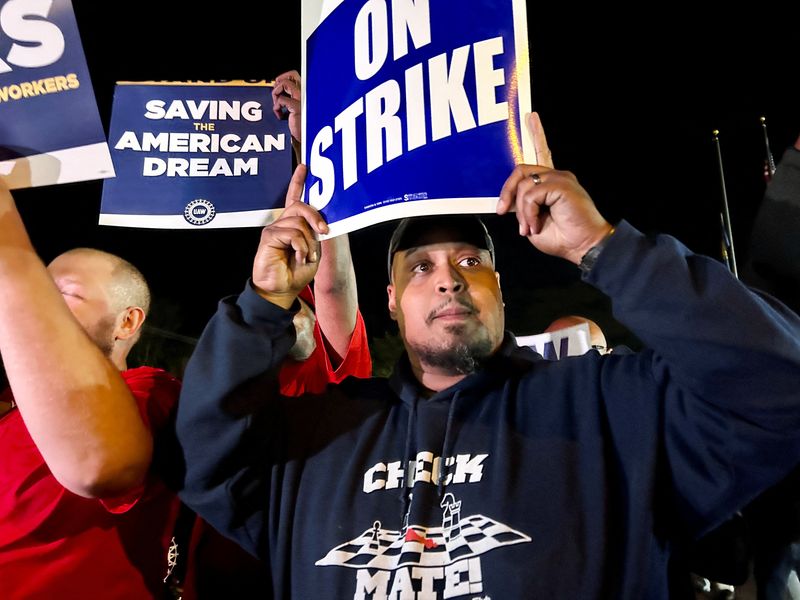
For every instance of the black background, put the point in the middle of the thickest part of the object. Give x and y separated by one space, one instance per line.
629 99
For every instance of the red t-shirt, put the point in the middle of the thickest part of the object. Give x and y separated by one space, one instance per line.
316 372
54 544
218 568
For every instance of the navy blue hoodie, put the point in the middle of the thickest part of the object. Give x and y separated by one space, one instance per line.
527 479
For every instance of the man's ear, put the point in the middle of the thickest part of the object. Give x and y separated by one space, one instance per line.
129 323
390 292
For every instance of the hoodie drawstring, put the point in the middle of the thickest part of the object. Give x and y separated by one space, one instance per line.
447 449
404 492
448 443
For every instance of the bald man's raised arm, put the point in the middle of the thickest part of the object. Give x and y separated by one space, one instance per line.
336 296
74 403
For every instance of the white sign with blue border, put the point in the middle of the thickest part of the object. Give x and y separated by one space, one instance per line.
412 107
196 155
555 345
50 129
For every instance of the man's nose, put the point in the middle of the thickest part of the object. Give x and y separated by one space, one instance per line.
450 281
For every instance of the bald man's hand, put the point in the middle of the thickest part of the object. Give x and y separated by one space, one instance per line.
286 101
287 104
6 199
288 254
14 241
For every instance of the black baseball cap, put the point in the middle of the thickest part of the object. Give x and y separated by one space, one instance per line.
411 232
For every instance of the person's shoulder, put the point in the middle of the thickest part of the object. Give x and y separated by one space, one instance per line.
152 380
156 393
149 374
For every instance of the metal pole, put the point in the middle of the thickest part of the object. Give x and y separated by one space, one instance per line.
726 217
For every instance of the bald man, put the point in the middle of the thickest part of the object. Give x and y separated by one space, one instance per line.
79 515
113 316
597 338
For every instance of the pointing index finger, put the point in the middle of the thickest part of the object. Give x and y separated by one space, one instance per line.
294 201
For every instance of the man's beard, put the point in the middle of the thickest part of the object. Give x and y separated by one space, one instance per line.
102 334
461 358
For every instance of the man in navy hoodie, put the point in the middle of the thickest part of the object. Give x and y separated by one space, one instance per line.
477 470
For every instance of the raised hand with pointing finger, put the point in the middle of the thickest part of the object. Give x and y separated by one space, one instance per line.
554 212
288 253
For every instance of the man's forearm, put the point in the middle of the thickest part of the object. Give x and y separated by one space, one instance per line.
715 337
336 295
231 381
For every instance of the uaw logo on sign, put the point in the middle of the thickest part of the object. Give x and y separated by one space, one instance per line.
51 130
387 562
199 212
412 107
196 154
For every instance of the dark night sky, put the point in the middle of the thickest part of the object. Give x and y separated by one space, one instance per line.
628 108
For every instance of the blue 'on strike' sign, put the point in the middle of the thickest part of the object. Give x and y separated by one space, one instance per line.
413 107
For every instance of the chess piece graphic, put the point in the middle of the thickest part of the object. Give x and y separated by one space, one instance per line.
451 517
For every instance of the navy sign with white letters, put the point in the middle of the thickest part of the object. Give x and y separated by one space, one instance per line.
413 107
196 154
51 130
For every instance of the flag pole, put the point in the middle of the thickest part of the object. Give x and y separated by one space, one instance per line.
726 217
769 166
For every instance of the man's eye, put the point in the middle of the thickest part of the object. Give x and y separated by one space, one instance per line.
421 267
470 261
